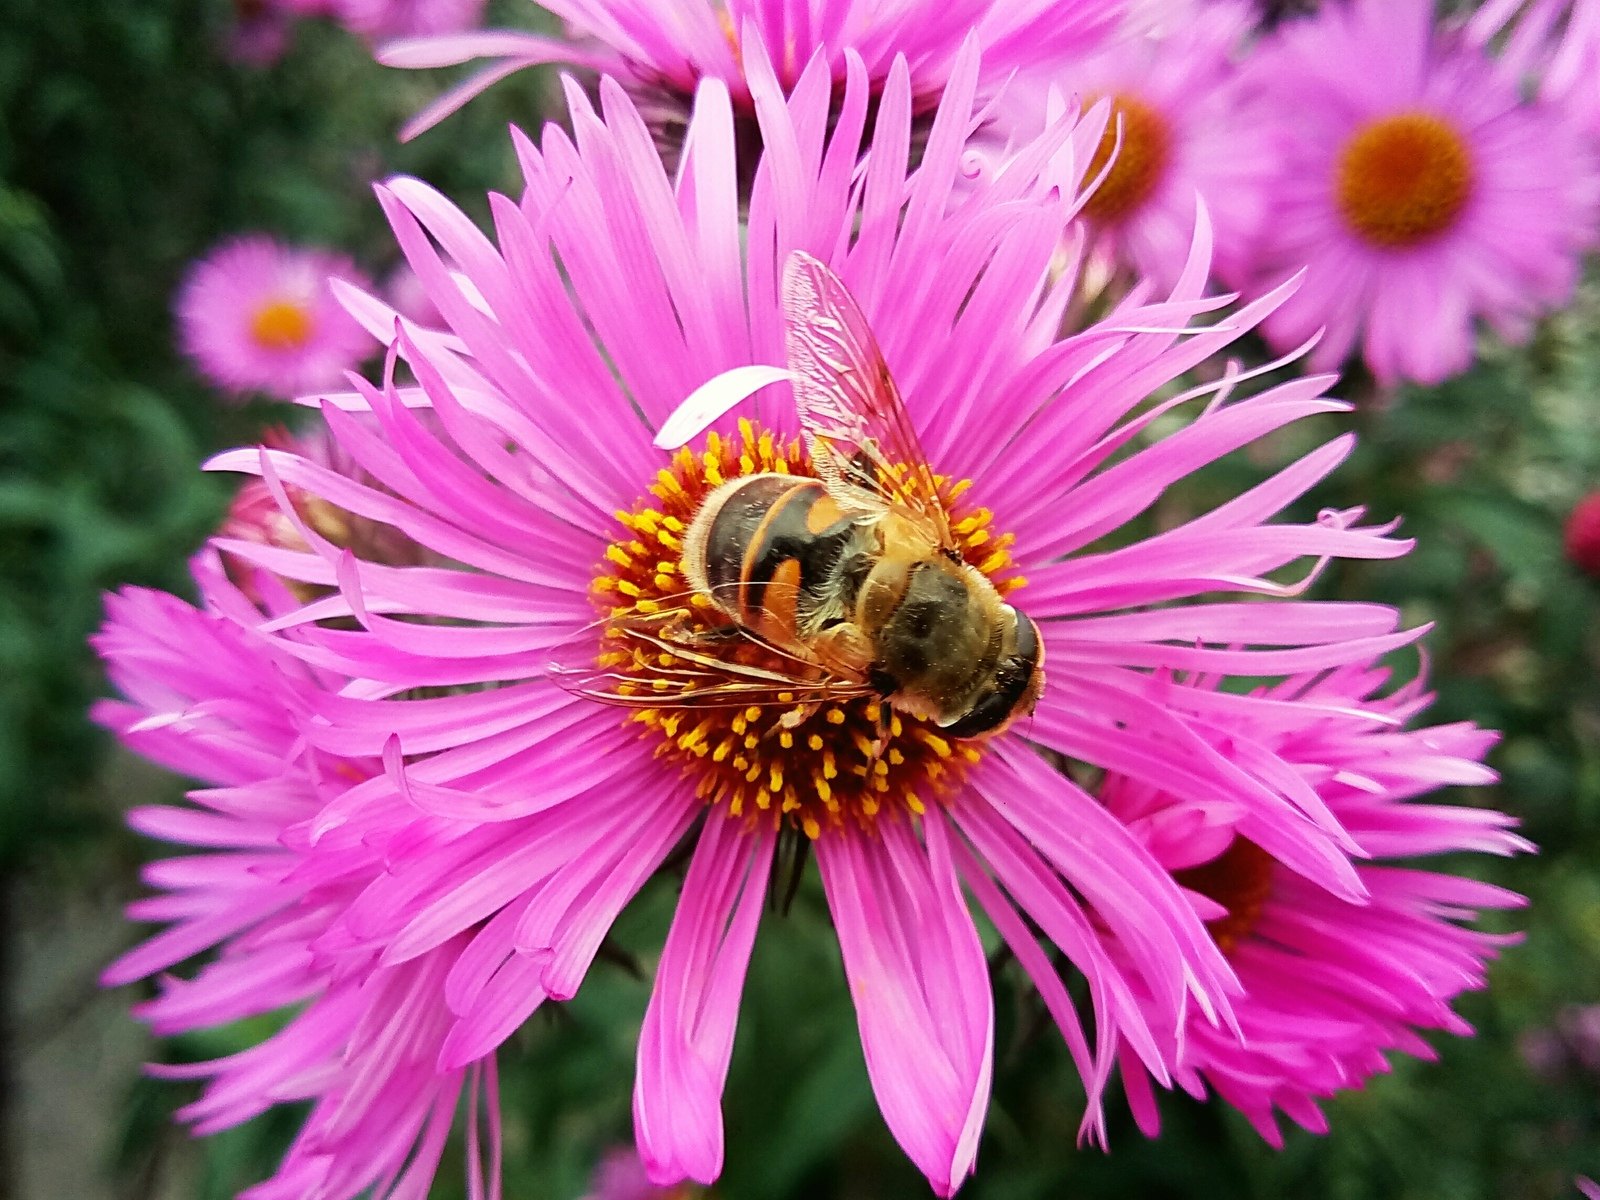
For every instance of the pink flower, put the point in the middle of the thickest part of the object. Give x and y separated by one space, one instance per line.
663 54
1582 535
212 700
1331 987
520 818
1173 132
1420 192
257 315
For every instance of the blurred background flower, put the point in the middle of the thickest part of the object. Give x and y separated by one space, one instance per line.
1173 133
254 315
1583 535
1421 194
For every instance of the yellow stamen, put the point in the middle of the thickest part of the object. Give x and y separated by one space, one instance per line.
281 325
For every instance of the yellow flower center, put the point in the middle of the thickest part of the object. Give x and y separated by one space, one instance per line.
1140 161
281 325
1239 879
810 767
1404 178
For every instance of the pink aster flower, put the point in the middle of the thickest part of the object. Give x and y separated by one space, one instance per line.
1419 192
214 701
257 315
1331 987
1173 132
662 54
520 817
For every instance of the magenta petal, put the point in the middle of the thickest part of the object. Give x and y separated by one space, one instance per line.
920 983
687 1037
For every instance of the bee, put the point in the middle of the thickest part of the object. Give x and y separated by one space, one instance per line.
852 581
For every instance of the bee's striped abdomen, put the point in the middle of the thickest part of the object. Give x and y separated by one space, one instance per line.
774 552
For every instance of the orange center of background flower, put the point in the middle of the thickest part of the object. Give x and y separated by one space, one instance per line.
846 761
1403 179
1239 879
281 325
1140 161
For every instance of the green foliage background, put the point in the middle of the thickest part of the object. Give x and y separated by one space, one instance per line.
129 145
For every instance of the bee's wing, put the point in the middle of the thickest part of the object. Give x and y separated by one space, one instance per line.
673 657
860 435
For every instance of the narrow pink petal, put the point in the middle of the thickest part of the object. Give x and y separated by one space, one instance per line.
919 978
687 1037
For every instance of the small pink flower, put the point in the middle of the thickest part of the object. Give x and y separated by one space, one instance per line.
257 315
1582 535
1332 985
255 518
1420 193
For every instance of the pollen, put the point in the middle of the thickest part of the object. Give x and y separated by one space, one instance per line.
1403 179
281 325
813 767
1239 879
1140 162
